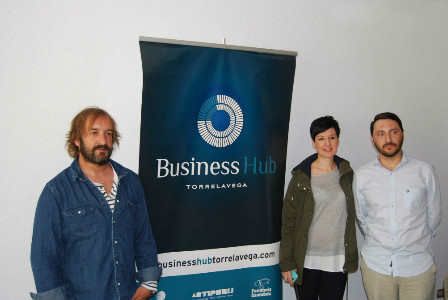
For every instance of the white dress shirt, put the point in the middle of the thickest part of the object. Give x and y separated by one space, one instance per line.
398 212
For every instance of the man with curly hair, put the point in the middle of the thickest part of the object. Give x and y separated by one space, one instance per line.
92 238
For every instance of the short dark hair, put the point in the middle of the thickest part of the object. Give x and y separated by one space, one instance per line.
87 116
323 124
385 116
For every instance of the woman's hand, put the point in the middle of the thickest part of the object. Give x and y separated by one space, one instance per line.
287 277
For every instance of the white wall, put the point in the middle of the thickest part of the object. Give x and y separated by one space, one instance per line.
356 58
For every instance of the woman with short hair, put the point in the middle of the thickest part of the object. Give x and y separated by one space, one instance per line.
318 246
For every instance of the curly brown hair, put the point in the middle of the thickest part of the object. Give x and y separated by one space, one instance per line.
86 117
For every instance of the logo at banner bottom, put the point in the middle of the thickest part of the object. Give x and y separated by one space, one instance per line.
220 111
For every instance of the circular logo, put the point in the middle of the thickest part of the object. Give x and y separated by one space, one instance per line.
220 121
161 295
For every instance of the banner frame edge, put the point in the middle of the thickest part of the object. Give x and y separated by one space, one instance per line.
218 46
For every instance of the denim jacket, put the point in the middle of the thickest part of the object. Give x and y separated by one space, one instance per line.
81 250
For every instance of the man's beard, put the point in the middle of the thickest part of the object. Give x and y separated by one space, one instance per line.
101 159
390 154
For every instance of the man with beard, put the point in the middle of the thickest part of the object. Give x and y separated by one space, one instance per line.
398 210
92 238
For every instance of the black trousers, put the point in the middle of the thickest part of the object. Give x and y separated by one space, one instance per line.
322 285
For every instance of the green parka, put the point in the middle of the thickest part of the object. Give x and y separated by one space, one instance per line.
298 211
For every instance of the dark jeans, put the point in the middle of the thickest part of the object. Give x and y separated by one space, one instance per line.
317 284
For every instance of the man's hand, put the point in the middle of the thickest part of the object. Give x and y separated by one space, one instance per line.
142 294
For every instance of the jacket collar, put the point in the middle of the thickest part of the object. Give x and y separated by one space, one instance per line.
76 171
305 165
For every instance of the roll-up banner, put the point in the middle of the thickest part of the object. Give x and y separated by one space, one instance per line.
214 132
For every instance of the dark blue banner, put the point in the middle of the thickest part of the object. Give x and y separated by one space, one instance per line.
214 132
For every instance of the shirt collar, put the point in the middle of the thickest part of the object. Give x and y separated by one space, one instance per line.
404 160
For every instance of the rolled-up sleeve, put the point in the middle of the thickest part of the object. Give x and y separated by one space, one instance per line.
46 248
58 293
145 246
149 274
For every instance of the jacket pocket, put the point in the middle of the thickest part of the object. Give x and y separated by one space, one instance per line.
81 221
132 210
